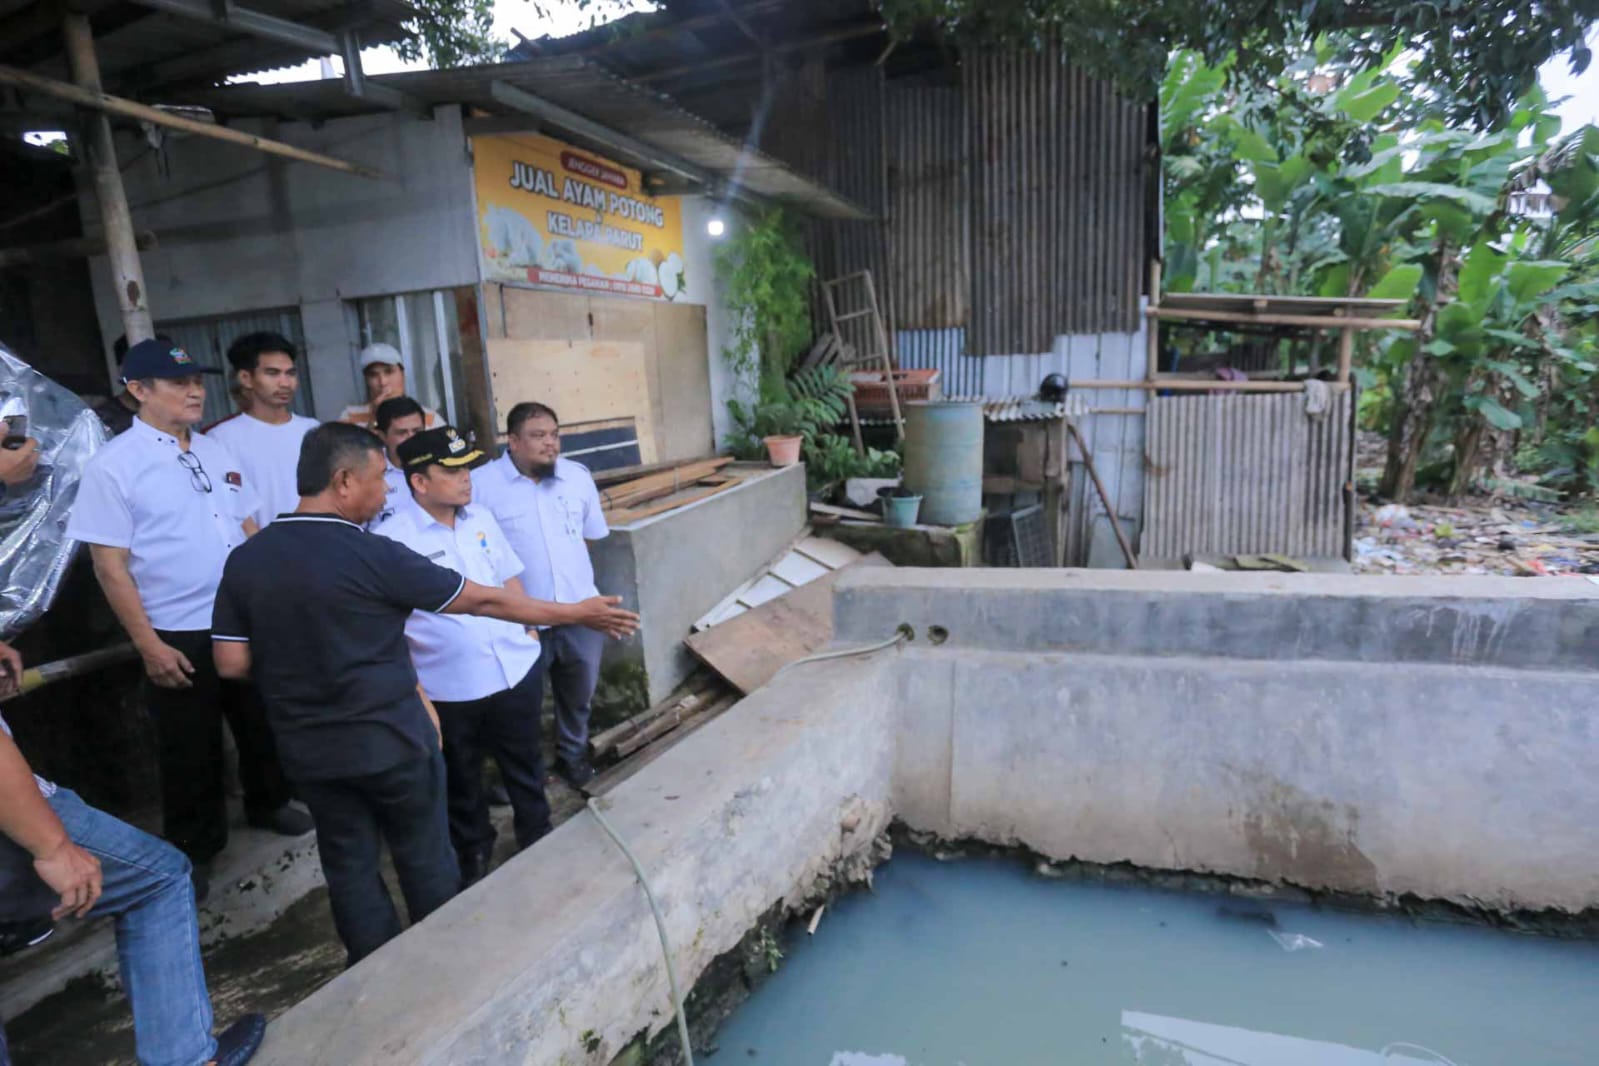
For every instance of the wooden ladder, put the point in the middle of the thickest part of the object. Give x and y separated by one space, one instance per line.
875 350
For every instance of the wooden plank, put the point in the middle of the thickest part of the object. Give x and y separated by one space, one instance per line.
681 359
671 503
629 473
651 486
844 512
798 569
750 649
1171 314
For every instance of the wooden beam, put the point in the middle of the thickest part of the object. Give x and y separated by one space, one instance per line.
122 246
1307 321
97 100
1200 385
75 248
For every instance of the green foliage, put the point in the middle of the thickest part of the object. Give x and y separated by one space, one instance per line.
831 458
1472 62
765 280
453 33
1285 190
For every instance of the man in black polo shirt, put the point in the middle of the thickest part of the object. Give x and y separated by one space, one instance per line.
314 608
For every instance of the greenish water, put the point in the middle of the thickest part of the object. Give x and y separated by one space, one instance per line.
980 963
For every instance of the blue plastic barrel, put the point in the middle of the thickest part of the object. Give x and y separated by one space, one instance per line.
944 460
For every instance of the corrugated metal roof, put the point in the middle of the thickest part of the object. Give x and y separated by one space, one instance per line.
571 82
1025 408
146 54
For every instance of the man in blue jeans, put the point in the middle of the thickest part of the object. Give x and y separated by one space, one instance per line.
102 866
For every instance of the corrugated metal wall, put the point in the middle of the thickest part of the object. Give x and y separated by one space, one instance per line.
1248 474
1057 211
929 192
1013 204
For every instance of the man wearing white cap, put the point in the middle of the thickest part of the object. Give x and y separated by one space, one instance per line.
383 369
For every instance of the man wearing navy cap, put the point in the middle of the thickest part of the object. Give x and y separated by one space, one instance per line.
160 507
481 673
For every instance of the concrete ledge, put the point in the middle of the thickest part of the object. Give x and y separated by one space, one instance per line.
674 567
1520 623
554 959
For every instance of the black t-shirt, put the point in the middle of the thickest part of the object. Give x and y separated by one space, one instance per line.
323 604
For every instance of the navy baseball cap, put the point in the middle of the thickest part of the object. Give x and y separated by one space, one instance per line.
160 359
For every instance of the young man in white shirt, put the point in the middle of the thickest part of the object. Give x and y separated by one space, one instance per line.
482 674
398 420
549 509
160 507
265 435
383 371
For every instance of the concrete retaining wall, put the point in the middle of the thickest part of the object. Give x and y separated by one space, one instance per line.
1355 734
554 959
676 566
1234 724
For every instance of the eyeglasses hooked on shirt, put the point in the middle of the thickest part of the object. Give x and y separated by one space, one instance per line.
198 478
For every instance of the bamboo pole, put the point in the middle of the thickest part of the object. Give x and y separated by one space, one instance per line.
1200 385
122 245
1152 327
1104 497
95 99
72 248
1346 353
1306 321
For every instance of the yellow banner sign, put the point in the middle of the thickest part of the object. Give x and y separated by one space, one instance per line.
549 214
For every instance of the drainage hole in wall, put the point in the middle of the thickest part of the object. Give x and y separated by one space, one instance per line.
937 634
906 631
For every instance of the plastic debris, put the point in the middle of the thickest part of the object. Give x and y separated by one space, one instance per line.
1295 941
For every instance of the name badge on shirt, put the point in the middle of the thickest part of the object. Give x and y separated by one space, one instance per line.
232 477
436 556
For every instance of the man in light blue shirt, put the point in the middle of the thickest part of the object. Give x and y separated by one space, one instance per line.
549 509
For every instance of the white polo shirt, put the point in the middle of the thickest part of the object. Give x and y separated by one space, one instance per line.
396 493
547 523
137 494
459 656
270 457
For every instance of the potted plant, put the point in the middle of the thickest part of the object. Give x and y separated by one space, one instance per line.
781 427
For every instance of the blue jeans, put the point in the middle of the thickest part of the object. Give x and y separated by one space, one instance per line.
148 892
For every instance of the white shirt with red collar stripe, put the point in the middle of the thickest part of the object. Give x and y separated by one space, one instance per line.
179 518
269 456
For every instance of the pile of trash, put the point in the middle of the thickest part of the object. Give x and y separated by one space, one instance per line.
1495 537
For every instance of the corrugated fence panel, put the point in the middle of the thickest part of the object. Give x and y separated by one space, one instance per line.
857 169
927 195
1232 474
942 350
1057 202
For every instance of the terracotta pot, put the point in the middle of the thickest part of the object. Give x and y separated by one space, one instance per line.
783 451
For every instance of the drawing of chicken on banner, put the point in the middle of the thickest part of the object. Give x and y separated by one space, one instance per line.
550 215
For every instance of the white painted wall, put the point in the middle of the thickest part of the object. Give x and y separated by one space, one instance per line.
242 231
699 250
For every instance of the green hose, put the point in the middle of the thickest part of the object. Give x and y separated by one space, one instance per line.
660 929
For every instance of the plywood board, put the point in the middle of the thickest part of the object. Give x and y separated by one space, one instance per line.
676 357
683 383
749 650
586 381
